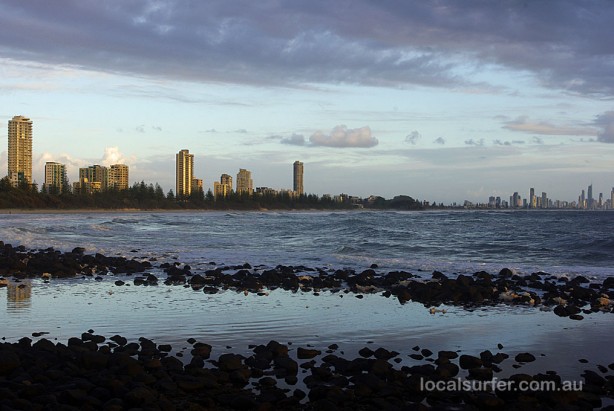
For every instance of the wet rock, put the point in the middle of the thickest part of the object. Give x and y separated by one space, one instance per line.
467 362
9 361
201 349
524 357
230 362
481 374
306 353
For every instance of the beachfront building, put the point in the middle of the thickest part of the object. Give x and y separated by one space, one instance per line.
245 184
118 176
20 150
55 178
184 173
92 179
223 188
298 178
197 185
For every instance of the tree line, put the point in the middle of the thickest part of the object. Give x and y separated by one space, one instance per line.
151 196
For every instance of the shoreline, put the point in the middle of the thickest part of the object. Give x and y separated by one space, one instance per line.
295 374
121 373
18 211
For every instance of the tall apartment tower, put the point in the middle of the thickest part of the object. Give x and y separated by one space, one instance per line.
118 176
298 178
55 178
223 188
92 179
184 173
20 150
590 197
612 198
532 199
245 184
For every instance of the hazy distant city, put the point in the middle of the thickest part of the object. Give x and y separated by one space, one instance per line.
98 178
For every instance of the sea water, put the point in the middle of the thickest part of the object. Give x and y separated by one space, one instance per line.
558 242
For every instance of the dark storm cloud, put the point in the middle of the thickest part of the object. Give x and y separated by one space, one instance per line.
566 43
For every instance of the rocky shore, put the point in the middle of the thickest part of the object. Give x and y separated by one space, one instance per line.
574 298
96 372
93 372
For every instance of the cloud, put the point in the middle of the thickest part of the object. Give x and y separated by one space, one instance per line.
156 128
112 155
606 122
477 143
413 137
140 129
341 136
241 131
564 44
440 140
537 140
498 142
294 139
523 124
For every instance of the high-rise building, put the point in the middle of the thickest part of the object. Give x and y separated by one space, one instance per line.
298 178
226 179
532 199
516 200
55 178
93 178
544 203
600 203
612 198
118 176
184 173
223 188
20 150
245 184
590 197
197 184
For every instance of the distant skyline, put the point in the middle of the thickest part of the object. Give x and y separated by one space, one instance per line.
443 101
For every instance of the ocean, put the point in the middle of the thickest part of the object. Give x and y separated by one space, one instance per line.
562 243
552 241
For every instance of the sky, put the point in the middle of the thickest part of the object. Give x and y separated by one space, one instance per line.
444 101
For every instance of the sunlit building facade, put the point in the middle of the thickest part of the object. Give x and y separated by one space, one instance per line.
118 176
245 184
55 178
20 150
223 188
184 173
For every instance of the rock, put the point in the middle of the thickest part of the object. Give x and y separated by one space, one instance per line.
9 361
230 362
365 352
447 370
481 374
202 350
467 362
306 354
524 357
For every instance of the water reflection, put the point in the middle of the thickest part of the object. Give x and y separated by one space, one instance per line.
18 296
